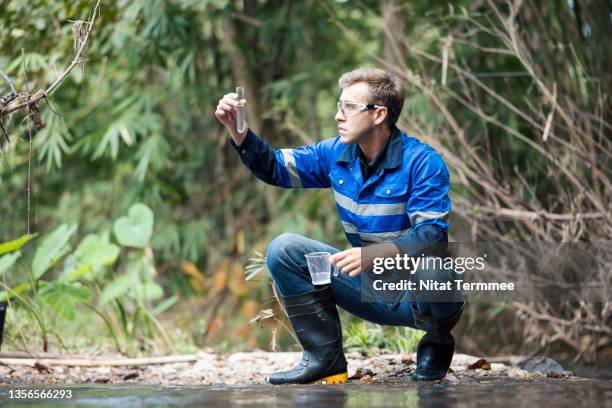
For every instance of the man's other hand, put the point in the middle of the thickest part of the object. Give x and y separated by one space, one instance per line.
348 261
356 260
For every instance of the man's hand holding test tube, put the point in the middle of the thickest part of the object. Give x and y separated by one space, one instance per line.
231 112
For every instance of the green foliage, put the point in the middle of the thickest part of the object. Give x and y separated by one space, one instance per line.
10 246
63 297
84 272
362 336
135 229
8 260
52 249
52 141
90 256
116 288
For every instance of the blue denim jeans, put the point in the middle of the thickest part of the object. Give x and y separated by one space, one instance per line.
287 265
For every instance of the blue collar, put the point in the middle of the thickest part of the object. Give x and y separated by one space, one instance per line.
393 156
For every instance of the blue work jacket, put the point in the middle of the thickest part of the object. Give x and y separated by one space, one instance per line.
406 202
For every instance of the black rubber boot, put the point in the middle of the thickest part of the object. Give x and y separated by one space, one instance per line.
3 306
316 324
435 350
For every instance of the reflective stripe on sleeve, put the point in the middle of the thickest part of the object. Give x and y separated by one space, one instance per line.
420 216
294 177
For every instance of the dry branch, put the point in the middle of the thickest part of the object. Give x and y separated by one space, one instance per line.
32 100
91 362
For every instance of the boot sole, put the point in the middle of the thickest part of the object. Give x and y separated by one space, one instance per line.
332 379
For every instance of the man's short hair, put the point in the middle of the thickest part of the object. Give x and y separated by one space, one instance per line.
385 89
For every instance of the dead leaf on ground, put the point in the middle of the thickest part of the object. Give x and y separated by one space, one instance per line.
43 369
219 280
196 276
131 375
361 373
480 364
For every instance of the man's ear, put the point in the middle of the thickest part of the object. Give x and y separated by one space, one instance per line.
380 116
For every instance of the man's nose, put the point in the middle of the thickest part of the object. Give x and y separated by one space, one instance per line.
339 116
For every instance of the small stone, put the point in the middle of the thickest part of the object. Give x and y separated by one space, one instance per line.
103 370
543 365
407 361
366 379
450 379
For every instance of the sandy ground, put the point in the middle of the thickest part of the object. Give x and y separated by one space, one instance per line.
253 367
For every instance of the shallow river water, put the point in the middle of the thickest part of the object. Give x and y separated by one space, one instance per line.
548 393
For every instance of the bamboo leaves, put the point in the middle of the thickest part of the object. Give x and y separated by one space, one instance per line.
154 153
52 141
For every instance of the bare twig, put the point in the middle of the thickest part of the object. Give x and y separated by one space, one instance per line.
78 59
92 362
10 84
29 185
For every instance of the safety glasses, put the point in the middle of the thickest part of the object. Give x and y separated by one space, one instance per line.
350 108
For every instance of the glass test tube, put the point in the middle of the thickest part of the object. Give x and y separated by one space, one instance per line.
240 111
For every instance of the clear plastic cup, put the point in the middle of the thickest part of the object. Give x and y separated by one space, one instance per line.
320 268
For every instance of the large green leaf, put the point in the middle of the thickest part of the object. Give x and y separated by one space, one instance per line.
52 249
135 230
7 261
16 244
150 290
91 254
116 288
63 297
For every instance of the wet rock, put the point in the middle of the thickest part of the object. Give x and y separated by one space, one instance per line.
450 379
103 370
543 365
519 374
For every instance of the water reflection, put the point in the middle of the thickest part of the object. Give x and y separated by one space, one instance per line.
515 394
